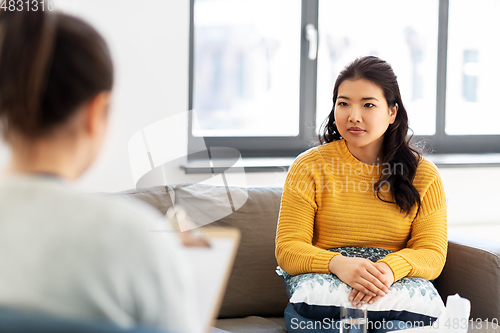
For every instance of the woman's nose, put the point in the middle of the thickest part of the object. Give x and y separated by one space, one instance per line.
354 116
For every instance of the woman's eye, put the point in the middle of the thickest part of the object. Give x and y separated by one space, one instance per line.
342 104
369 105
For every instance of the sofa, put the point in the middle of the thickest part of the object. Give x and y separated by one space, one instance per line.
255 296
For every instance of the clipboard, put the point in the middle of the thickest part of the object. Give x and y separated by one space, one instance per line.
214 267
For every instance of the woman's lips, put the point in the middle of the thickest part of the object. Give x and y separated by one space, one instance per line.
356 131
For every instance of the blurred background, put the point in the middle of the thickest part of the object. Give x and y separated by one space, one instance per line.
247 68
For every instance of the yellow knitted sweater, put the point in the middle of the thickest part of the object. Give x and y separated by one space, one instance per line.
328 201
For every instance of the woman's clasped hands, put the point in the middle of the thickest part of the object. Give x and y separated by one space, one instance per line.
369 280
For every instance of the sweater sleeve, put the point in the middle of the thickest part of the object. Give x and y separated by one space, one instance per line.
294 250
425 254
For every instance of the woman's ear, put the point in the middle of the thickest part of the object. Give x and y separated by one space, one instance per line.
393 112
97 112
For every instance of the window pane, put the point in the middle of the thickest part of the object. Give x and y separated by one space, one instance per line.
403 33
473 68
247 67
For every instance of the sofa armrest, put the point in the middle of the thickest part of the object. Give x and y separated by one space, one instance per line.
472 270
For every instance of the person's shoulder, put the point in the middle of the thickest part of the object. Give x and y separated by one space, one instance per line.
78 216
319 153
119 210
124 226
427 168
86 210
426 174
331 149
304 162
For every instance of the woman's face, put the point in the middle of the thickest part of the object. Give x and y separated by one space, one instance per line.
362 114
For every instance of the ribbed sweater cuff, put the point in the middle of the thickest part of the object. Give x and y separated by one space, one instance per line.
399 266
321 261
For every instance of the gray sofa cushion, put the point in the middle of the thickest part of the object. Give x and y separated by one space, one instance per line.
157 196
252 324
254 289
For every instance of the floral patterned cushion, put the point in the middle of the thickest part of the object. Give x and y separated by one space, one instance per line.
318 296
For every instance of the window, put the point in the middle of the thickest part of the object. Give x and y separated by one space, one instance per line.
473 69
251 86
262 71
247 67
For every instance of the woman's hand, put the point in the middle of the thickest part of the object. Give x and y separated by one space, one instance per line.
357 297
192 239
361 274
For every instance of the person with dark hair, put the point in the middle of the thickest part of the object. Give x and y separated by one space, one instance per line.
365 185
63 253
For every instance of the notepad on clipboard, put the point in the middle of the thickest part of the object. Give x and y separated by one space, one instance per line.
214 265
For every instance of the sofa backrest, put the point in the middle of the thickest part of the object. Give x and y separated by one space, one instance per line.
254 288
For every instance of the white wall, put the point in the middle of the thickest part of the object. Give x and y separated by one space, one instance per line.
149 44
473 200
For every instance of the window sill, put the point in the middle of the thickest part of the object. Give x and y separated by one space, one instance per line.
253 164
465 160
281 164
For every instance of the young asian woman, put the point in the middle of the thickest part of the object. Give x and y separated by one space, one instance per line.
366 185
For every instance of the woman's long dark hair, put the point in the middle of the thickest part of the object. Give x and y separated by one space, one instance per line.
50 64
398 148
